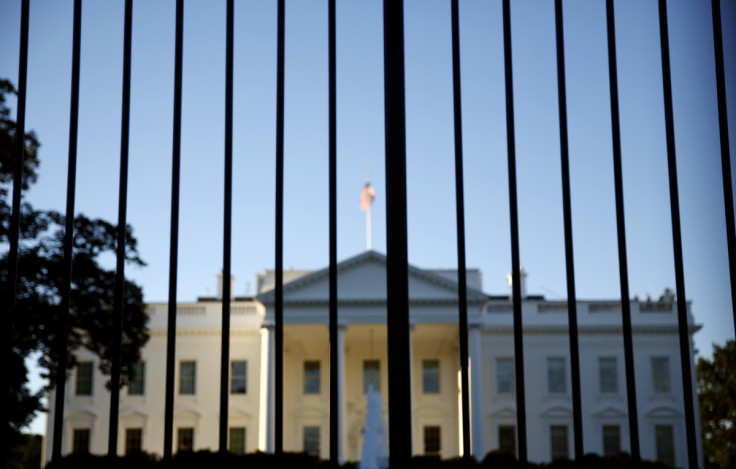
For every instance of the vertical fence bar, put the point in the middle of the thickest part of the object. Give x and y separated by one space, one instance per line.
572 309
62 327
20 133
460 213
397 268
725 150
514 222
112 442
174 242
687 384
334 385
227 230
621 231
279 291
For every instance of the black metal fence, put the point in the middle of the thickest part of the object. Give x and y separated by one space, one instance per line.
398 300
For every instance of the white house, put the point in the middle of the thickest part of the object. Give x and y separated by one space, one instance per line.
363 362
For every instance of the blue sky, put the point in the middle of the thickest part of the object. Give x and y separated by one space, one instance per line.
430 147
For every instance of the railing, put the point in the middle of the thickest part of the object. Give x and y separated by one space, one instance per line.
398 320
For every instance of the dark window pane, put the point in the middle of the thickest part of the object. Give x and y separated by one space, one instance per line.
237 440
559 443
661 374
239 377
311 377
136 386
556 375
133 440
431 376
432 442
507 439
185 439
311 440
608 375
611 440
187 377
80 440
504 375
665 444
84 378
371 376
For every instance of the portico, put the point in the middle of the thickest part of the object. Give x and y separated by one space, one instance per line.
362 357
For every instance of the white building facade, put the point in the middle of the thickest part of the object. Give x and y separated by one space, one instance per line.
363 363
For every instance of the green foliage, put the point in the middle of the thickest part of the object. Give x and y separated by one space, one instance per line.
209 459
40 279
7 145
25 453
192 460
501 459
717 395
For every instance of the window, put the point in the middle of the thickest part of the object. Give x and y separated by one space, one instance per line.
558 439
661 374
311 377
311 439
187 377
185 439
608 375
238 377
84 379
133 440
611 440
556 375
504 375
431 376
665 437
80 440
371 375
432 442
237 440
136 386
507 439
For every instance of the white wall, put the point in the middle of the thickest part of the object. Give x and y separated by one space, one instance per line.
434 337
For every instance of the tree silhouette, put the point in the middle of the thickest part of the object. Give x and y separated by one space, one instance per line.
40 274
717 395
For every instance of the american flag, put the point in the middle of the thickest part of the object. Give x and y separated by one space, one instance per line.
366 196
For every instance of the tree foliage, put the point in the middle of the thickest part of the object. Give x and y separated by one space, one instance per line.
717 395
40 280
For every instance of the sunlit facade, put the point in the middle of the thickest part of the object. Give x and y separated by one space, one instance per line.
363 364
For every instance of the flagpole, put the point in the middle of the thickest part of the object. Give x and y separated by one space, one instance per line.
366 201
369 244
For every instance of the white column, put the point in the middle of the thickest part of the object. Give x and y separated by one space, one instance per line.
476 393
458 378
412 328
341 418
266 412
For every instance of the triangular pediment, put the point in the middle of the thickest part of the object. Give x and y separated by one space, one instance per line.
430 410
664 412
557 412
610 412
363 279
80 414
504 413
310 411
236 413
187 414
132 414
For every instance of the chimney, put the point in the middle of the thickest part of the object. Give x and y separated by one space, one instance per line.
510 279
220 286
